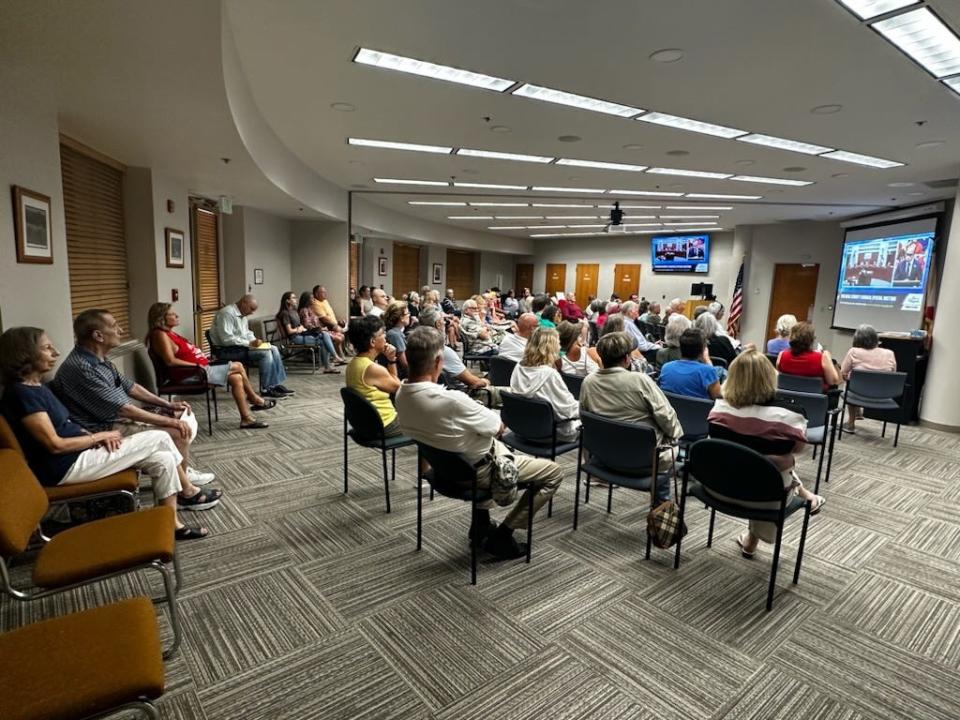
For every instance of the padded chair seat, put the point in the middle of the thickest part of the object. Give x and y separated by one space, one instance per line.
82 664
697 490
816 435
106 546
456 491
601 472
872 403
390 443
183 388
125 480
537 449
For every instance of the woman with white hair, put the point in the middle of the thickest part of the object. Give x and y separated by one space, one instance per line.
717 345
671 339
781 342
866 354
536 376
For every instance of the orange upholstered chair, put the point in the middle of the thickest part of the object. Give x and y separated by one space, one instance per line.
80 666
86 553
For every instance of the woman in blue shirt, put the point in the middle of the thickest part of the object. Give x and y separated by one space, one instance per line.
693 374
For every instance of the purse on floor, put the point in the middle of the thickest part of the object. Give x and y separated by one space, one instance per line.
663 521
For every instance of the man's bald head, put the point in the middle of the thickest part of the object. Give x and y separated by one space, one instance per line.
526 324
247 305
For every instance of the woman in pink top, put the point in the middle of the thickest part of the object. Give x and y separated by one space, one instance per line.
865 355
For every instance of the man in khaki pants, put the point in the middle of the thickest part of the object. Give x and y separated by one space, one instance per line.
450 420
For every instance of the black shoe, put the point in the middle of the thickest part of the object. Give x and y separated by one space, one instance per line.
273 393
485 532
284 390
504 547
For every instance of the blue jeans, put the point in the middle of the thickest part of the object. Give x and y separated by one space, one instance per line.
322 341
269 363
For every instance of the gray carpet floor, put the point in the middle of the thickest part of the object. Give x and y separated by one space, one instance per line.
308 603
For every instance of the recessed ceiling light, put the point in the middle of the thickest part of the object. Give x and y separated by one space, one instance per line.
574 178
402 181
436 202
840 175
646 193
519 217
469 217
688 173
699 207
901 184
771 181
826 109
489 186
784 144
866 9
632 146
500 129
495 204
924 37
555 205
426 69
343 107
688 217
697 126
744 163
588 191
569 138
356 162
601 165
916 194
859 159
507 227
504 156
470 171
794 168
390 145
677 186
929 144
717 196
582 102
667 55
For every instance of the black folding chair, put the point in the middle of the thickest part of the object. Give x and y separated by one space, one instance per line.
692 413
773 357
470 356
743 475
821 425
718 362
362 423
501 370
875 390
221 354
183 380
573 383
275 335
799 383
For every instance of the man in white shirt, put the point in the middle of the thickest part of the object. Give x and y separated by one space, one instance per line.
515 343
380 302
449 420
475 387
631 311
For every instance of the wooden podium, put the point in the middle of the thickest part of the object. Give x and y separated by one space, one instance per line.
692 304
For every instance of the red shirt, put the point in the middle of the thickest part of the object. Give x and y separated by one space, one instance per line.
570 311
807 364
186 350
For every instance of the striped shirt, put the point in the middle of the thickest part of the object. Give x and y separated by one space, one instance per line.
92 389
772 430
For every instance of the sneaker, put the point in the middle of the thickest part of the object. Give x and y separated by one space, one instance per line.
274 393
283 389
850 429
200 478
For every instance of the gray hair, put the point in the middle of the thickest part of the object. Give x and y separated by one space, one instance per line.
614 347
707 324
614 323
424 346
469 305
865 337
430 316
785 324
675 327
413 296
628 306
716 309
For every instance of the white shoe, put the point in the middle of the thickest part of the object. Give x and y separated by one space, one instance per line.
199 478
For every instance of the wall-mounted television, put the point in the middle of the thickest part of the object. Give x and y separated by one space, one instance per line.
681 253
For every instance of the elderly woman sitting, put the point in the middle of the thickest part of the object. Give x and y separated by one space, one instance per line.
718 345
865 355
781 342
575 359
802 359
536 376
671 339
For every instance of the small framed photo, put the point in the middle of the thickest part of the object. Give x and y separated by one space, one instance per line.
258 276
175 248
31 220
382 266
437 273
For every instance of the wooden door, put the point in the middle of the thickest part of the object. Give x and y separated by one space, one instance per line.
586 282
206 270
524 278
355 255
460 274
406 269
626 280
794 292
556 278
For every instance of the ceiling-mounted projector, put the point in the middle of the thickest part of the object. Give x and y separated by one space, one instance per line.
616 219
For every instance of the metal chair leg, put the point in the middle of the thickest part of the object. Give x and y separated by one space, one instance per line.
683 507
803 540
531 491
216 405
576 500
833 435
419 505
473 545
168 585
774 565
386 478
345 453
816 487
896 436
393 465
713 516
883 430
209 414
586 491
609 497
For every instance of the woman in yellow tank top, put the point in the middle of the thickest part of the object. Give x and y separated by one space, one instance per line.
375 382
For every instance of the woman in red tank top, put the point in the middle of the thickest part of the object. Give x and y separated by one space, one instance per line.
176 351
802 359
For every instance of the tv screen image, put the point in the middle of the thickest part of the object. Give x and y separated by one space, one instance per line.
888 272
681 253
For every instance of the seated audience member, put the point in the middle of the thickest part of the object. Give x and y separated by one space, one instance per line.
571 311
375 382
539 302
99 398
717 310
605 309
511 306
231 334
328 318
750 414
296 333
676 307
449 304
575 359
550 316
379 302
536 376
802 359
175 351
60 452
617 323
355 309
717 344
482 339
310 321
526 300
366 304
866 354
454 368
449 420
781 342
615 392
671 339
630 312
693 374
413 306
396 319
652 315
515 343
700 310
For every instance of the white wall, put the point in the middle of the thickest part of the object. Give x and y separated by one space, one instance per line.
320 255
431 255
267 246
141 254
233 251
373 249
497 269
167 279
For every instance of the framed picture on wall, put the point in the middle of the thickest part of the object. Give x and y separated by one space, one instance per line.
258 276
437 273
175 250
382 266
31 222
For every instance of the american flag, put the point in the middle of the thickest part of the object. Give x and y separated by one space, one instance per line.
736 306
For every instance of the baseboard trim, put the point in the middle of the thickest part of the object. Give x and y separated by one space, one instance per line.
940 426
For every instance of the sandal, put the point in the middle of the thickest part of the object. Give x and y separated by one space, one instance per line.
203 500
189 533
814 509
253 425
743 549
267 405
331 371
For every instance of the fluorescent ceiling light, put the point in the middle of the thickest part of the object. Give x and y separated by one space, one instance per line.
688 173
688 224
716 196
601 165
685 230
504 156
701 207
859 159
494 204
866 9
682 123
389 145
545 227
649 224
687 217
559 97
784 144
589 191
953 84
519 217
507 227
430 70
630 207
641 217
573 217
771 181
925 38
469 217
489 186
555 205
586 226
402 181
647 193
435 202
